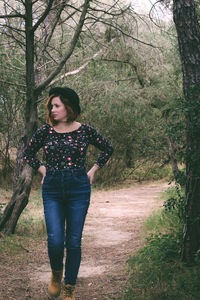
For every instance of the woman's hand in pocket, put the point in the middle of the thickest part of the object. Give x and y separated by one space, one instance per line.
42 171
91 173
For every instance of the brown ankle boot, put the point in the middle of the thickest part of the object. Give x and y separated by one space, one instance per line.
55 283
68 292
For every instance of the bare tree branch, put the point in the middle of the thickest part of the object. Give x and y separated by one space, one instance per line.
105 12
151 11
126 79
70 50
79 69
120 79
133 66
35 2
41 19
14 69
13 10
13 83
11 35
71 15
13 28
122 11
124 33
50 34
12 16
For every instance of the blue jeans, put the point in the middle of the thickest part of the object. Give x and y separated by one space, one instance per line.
66 198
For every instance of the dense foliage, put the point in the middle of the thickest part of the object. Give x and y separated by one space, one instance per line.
156 271
131 93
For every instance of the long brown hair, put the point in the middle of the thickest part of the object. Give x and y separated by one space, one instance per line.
71 115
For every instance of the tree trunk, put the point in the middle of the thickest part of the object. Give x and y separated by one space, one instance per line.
23 174
187 27
173 160
6 166
18 201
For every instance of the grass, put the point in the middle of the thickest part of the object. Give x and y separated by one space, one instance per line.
156 271
13 245
30 235
31 222
148 171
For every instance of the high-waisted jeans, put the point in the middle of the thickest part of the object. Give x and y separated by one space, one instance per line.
66 198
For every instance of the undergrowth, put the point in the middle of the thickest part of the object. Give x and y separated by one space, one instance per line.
156 271
30 230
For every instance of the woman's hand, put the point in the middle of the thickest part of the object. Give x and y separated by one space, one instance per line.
42 171
92 172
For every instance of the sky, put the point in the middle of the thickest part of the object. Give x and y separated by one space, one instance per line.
144 6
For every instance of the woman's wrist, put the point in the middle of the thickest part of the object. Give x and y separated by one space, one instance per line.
91 173
95 167
42 170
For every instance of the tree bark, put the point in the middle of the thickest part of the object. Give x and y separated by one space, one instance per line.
18 201
173 159
45 23
187 27
23 174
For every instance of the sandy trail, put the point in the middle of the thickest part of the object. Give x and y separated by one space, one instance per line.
112 233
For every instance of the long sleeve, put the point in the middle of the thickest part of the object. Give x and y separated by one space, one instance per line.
96 139
66 150
33 147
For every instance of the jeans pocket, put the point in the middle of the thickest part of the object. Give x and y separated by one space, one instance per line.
82 178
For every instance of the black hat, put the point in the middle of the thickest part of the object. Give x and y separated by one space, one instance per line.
70 95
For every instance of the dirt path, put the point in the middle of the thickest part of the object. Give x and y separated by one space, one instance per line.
112 233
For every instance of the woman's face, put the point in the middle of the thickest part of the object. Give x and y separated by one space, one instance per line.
58 110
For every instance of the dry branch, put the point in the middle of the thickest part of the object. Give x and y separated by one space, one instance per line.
42 18
70 50
74 72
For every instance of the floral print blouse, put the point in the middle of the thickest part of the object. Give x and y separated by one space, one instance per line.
66 150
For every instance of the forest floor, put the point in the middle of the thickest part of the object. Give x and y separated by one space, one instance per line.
112 233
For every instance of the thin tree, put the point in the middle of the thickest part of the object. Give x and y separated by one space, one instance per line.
187 26
23 174
33 27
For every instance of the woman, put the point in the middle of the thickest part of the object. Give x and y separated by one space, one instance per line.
66 186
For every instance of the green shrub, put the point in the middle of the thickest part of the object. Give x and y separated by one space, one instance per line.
1 208
31 227
175 202
156 271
